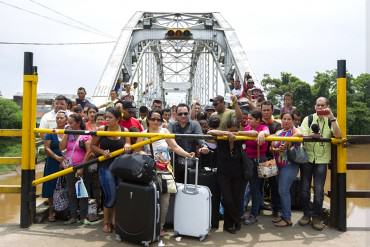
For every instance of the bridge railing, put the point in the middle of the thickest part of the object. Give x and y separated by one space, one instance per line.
28 145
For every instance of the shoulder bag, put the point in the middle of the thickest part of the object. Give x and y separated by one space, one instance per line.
267 168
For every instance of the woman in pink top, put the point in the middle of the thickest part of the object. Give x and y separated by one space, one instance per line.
77 147
91 112
256 128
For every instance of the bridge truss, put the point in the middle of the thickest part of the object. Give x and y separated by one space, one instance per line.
175 68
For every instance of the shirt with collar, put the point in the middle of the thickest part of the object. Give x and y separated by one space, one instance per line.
317 152
191 127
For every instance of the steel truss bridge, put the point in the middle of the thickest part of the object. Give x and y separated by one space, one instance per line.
175 57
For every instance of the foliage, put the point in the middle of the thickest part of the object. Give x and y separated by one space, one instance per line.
9 147
10 115
301 90
325 84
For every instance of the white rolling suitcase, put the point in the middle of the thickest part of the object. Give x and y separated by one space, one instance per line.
193 208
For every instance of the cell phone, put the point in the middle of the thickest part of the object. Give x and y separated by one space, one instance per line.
322 112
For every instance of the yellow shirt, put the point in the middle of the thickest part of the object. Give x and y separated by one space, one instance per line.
317 152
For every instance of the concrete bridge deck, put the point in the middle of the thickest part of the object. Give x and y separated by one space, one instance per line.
261 234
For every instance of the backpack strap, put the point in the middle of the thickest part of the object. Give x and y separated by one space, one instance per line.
310 120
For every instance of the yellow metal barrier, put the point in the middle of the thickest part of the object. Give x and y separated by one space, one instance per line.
100 158
10 189
148 135
11 132
10 160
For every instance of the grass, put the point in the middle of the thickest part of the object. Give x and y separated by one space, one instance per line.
9 147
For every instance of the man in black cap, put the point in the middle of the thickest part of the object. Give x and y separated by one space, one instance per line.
223 113
209 109
127 120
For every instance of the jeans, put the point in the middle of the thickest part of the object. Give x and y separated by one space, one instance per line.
318 173
287 175
256 190
275 198
109 184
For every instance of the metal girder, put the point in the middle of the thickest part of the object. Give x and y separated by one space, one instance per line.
208 56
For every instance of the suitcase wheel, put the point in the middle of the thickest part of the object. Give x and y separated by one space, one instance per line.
146 244
202 237
118 238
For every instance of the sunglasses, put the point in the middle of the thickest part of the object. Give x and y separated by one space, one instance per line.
155 119
182 114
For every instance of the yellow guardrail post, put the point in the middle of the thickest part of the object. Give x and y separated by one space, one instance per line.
28 141
341 148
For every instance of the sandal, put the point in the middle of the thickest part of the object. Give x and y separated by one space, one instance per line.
51 218
283 223
276 219
107 228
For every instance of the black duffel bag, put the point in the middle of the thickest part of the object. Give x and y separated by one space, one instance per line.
135 167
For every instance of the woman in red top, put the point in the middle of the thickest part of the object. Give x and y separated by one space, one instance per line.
256 151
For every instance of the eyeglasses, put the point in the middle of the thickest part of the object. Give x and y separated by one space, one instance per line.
155 119
182 114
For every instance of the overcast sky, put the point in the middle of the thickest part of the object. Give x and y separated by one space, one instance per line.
300 37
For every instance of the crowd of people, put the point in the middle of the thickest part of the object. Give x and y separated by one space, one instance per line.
247 114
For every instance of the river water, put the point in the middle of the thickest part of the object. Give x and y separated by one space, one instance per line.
358 210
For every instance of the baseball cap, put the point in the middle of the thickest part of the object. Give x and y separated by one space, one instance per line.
128 104
209 107
217 98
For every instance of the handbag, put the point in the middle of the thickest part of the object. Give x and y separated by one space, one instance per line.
296 154
247 166
67 162
267 168
60 195
168 183
81 191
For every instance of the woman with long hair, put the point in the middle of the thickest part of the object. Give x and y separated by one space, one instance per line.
77 149
104 145
287 170
256 151
161 154
53 159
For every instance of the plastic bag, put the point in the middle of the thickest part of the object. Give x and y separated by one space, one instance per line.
81 191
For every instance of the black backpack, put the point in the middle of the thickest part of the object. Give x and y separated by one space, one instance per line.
134 168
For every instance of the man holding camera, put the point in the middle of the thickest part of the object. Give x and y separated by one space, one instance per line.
320 124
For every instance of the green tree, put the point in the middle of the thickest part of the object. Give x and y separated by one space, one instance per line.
10 115
277 87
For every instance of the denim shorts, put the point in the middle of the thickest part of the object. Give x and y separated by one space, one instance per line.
109 185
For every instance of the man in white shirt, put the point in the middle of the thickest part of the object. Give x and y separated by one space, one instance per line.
237 91
48 119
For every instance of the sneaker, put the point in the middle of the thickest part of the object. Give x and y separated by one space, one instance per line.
70 221
305 220
251 220
317 224
86 222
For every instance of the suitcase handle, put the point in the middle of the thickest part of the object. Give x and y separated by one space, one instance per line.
191 189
